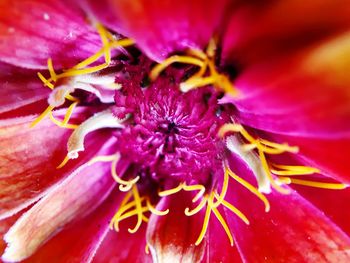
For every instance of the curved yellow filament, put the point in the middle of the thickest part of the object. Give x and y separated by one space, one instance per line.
223 223
333 186
171 191
153 210
198 208
196 187
205 222
138 207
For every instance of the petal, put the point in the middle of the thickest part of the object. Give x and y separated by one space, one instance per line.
172 237
79 241
281 96
332 203
259 31
293 230
162 27
75 197
124 247
19 88
29 157
34 30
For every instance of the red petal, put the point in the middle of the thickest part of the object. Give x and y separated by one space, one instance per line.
162 27
123 247
34 30
19 88
262 30
293 230
76 196
79 241
172 237
28 160
333 203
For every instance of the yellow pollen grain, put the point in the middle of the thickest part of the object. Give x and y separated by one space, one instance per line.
251 188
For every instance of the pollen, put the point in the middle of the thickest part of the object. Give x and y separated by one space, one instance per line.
206 75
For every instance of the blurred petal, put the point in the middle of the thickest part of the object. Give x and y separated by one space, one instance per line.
265 29
162 27
172 237
282 97
72 199
31 31
19 88
79 241
29 157
293 230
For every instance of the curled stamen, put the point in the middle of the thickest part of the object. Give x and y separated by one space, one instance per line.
171 191
198 208
153 210
104 119
197 187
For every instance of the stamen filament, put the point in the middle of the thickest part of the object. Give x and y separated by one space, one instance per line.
41 116
171 191
251 188
196 187
153 210
236 211
205 222
223 223
198 208
333 186
174 59
138 207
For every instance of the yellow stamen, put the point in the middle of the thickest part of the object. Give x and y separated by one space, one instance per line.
69 113
138 208
147 249
41 116
251 188
61 124
333 186
103 158
269 176
289 170
174 59
236 211
51 70
223 223
205 222
154 210
196 187
198 208
45 81
171 191
124 185
196 82
224 188
63 163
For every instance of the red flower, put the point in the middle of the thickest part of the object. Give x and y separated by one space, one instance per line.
224 151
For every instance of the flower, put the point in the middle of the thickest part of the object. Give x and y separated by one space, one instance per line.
200 132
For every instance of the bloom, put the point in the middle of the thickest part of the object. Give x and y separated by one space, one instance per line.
216 153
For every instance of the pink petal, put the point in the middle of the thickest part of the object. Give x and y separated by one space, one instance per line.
293 230
78 242
34 30
172 237
162 27
123 247
259 31
283 97
75 197
29 157
19 88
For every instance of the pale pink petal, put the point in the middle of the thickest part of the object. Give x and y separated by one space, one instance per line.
172 237
72 199
29 157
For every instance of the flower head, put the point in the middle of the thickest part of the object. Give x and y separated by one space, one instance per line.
147 130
